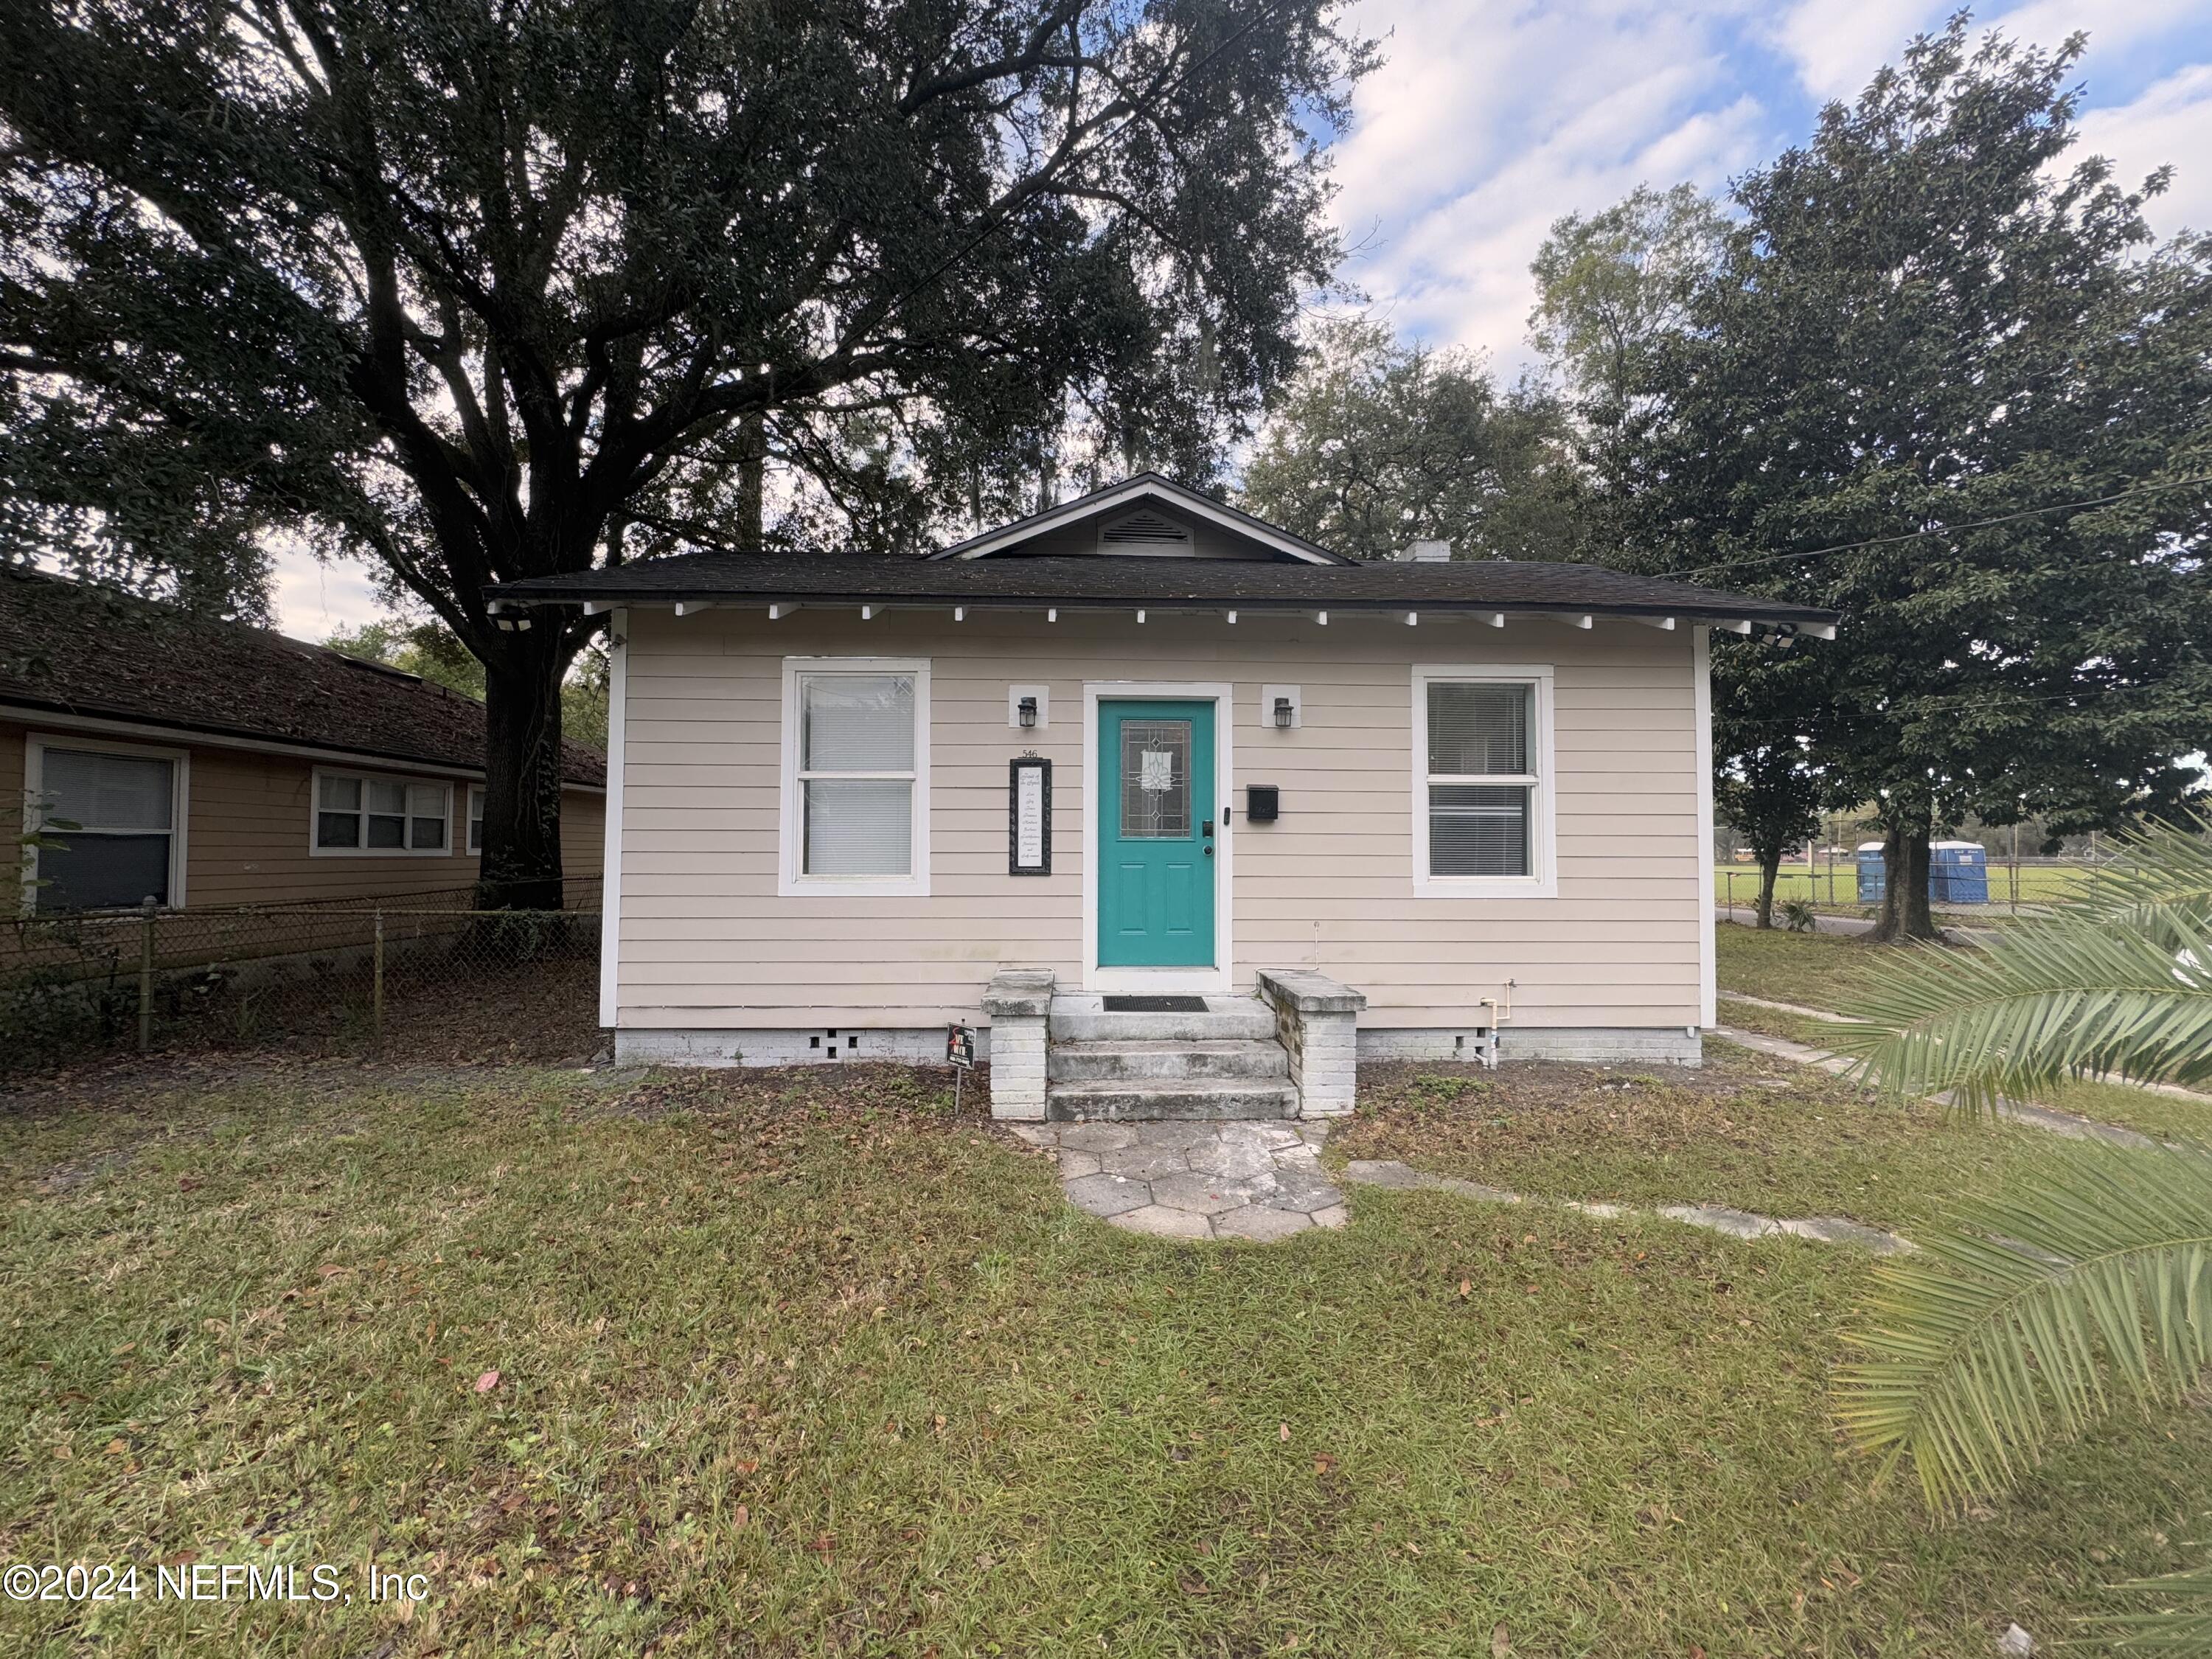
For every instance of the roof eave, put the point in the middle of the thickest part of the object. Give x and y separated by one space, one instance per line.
1805 619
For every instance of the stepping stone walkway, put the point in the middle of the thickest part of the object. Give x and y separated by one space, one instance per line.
1254 1180
2036 1117
1736 1224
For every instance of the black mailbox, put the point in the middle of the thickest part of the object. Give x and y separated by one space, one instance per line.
1261 801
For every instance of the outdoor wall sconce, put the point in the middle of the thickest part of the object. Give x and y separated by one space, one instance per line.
1283 714
1027 709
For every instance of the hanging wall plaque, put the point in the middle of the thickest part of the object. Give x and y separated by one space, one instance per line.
1029 816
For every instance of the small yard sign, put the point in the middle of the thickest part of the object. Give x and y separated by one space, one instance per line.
960 1045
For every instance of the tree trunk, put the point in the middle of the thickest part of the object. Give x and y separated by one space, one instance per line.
1769 872
521 865
751 527
1905 913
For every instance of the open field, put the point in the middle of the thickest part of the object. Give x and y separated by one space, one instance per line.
797 1363
2038 883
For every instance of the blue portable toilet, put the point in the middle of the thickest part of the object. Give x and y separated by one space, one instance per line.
1874 874
1958 873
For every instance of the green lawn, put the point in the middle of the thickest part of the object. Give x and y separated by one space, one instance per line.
1746 1132
1815 970
1825 970
2038 883
798 1364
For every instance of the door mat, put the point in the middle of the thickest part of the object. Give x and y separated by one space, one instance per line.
1155 1005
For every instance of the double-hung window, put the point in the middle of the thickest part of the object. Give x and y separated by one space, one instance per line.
856 776
1482 785
109 827
391 817
476 820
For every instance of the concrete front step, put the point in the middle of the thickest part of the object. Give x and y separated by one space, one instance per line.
1083 1018
1195 1099
1259 1060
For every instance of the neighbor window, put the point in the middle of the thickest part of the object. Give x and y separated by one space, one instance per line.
1481 800
357 813
476 820
109 828
856 785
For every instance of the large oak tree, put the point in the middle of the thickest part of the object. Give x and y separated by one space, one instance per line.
1932 336
497 288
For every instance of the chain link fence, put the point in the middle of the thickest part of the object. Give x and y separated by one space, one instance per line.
422 972
2013 887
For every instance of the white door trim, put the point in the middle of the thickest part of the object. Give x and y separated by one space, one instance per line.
1199 982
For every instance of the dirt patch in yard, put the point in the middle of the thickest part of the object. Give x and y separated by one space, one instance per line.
1411 1109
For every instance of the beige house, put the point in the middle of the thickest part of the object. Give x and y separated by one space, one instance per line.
1094 781
205 764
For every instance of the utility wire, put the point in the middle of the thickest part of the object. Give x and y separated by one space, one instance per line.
1943 530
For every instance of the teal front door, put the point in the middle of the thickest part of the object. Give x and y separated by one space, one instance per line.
1156 837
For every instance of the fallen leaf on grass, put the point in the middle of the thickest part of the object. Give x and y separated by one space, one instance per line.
1466 1288
487 1382
1282 1431
1501 1644
1323 1463
741 1517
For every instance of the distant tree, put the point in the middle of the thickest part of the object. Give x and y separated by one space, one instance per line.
1378 443
1769 710
430 650
1611 287
1923 322
490 292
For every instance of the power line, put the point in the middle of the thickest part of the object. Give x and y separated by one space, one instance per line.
1996 700
1944 530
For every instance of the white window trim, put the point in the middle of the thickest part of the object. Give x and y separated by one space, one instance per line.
1543 879
368 776
792 882
1218 980
35 745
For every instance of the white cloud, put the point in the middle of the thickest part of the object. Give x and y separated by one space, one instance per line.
2171 122
1836 45
1488 122
311 597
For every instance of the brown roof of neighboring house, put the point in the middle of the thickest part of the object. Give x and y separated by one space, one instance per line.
72 647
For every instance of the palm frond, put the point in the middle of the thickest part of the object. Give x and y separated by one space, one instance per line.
2182 1622
2120 984
2163 868
2035 1316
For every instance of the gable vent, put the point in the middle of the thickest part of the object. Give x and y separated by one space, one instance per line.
1143 528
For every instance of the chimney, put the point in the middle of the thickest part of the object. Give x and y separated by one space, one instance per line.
1427 553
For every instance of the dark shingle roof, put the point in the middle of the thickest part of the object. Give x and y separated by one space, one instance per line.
71 647
1104 580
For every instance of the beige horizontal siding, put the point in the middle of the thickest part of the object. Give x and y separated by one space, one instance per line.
707 942
250 816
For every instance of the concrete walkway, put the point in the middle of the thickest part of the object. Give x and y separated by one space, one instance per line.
2039 1117
1736 1224
1254 1179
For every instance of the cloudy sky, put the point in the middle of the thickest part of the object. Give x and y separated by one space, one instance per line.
1488 121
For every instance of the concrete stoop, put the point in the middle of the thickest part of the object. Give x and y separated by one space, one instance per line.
1221 1065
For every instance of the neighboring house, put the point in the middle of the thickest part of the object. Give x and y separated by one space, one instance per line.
212 764
1144 745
